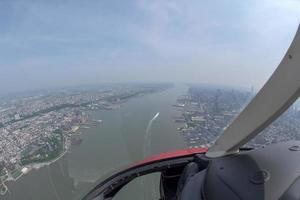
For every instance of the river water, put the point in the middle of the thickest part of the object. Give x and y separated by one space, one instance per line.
126 135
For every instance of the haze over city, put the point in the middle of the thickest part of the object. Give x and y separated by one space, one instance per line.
43 44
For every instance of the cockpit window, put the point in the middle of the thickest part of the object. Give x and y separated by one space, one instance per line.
88 88
285 128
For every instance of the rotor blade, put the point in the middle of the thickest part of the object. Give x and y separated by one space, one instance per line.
281 90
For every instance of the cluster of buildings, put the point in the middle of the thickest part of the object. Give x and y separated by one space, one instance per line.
285 128
207 111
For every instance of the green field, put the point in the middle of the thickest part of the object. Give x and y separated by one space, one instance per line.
50 149
16 173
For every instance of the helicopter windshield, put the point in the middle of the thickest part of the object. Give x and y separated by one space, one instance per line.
88 88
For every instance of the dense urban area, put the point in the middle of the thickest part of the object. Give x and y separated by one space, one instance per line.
37 129
207 111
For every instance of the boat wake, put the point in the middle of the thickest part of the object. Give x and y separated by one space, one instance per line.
147 136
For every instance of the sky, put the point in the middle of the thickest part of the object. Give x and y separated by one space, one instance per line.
56 43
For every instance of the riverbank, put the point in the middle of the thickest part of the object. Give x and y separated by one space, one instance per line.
35 166
67 137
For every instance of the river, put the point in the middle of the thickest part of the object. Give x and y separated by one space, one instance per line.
141 127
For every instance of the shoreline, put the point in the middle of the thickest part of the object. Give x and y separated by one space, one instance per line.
36 166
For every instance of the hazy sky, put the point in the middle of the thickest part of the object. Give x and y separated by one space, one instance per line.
72 42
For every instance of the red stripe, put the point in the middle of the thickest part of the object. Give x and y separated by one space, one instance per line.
171 154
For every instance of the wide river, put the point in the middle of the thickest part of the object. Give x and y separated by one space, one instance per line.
125 135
